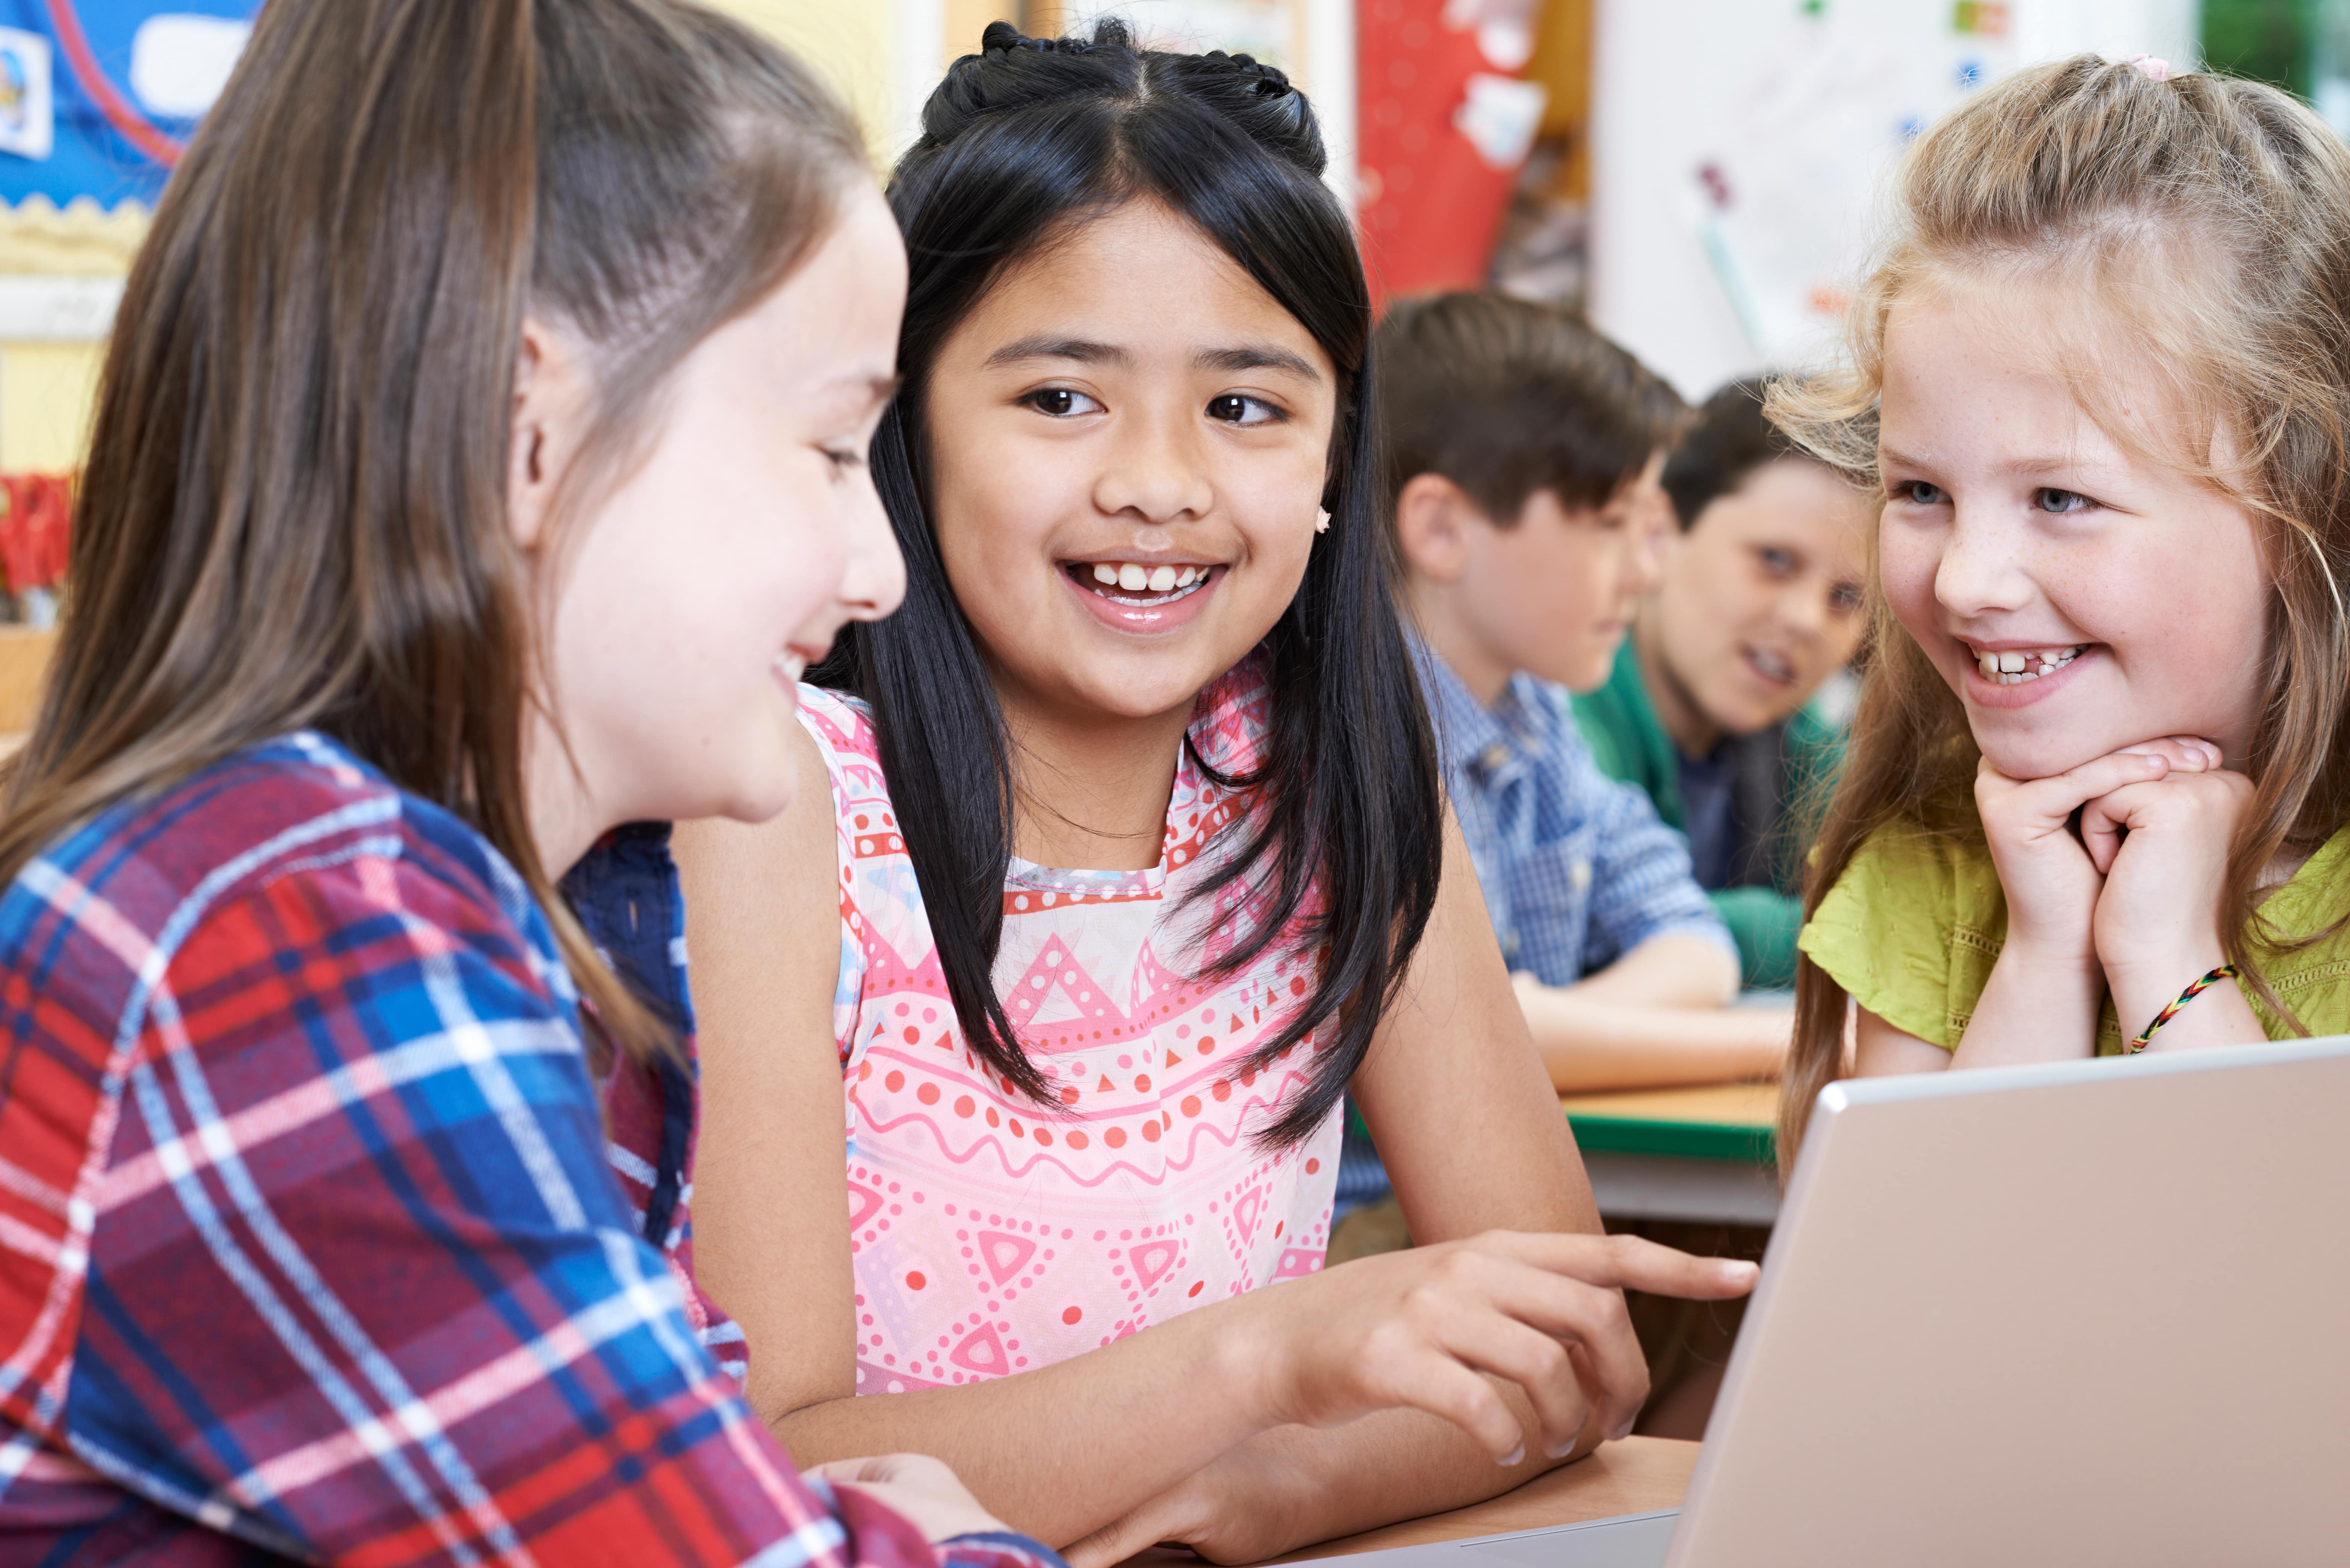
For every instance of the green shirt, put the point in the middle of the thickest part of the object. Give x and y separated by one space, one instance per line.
1913 926
1799 756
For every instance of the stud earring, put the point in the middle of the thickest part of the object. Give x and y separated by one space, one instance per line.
1322 520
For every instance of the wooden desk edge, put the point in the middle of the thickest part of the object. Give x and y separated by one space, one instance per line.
1638 1475
1746 1103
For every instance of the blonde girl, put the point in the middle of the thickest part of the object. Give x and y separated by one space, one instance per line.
2099 777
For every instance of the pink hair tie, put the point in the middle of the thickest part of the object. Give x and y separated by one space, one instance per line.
2153 69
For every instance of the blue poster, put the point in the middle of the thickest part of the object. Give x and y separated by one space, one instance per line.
97 97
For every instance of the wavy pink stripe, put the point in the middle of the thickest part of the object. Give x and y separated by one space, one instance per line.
1169 1166
1199 1080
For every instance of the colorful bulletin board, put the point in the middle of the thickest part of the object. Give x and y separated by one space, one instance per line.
97 97
1445 122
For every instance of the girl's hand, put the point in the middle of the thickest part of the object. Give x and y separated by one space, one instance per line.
1417 1327
2157 919
2051 879
920 1489
2040 1002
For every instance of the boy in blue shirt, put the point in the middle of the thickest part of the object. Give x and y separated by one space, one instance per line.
1525 450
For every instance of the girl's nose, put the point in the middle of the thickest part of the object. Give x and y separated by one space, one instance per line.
1981 570
875 579
1153 474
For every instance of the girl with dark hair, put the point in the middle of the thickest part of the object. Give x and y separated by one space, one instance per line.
479 441
1092 1115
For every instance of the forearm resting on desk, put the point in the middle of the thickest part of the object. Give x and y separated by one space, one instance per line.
1293 1486
1037 1448
1590 1044
1674 969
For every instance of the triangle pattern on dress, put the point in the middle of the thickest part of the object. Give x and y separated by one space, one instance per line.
1005 1255
1151 1262
863 1204
982 1351
1065 994
1247 1209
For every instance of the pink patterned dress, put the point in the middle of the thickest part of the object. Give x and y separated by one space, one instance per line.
993 1235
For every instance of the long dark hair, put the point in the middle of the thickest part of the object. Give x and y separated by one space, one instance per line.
1022 140
294 513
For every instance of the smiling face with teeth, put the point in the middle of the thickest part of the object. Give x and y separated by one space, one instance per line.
1758 604
2079 596
1124 495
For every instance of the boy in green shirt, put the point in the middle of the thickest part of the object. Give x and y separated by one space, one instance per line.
1710 706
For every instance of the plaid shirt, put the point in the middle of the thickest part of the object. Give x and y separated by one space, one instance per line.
308 1243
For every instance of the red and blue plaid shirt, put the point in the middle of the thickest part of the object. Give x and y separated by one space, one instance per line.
310 1244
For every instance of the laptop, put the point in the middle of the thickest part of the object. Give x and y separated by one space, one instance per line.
2124 1340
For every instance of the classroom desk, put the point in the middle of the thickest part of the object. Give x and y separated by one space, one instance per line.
1705 1154
1638 1475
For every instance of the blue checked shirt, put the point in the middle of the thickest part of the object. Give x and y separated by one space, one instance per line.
1575 868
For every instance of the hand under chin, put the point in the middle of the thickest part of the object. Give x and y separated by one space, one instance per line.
2043 756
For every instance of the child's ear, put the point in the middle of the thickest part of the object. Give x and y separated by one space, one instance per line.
1433 518
545 406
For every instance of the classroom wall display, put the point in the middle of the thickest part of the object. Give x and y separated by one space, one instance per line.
29 119
1780 203
125 82
1741 148
1543 249
1445 120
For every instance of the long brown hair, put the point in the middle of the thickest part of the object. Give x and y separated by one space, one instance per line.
294 512
2211 219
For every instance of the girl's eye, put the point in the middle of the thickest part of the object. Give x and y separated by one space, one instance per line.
845 459
2061 501
1062 404
1845 598
1235 409
1918 493
1777 561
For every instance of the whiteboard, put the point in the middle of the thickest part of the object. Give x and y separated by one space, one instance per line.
1741 150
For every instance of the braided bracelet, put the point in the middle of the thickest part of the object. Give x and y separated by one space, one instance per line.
2225 972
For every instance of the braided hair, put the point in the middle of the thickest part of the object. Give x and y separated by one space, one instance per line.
1021 141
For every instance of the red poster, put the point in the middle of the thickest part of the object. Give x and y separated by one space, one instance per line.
1445 122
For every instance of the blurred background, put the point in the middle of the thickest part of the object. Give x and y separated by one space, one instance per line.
1697 174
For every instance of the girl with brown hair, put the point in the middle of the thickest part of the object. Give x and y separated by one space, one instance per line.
479 460
2101 378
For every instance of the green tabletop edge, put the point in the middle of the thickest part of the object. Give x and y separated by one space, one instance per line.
1683 1140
